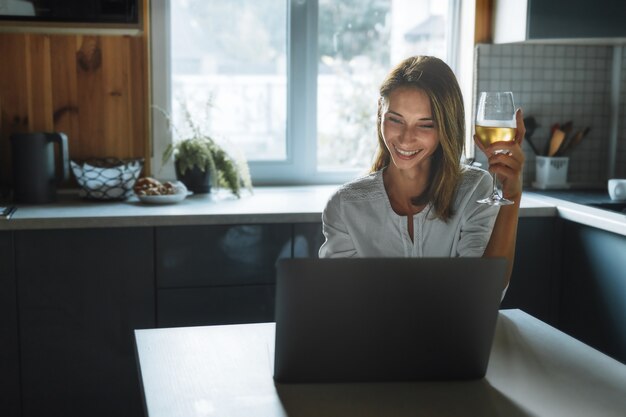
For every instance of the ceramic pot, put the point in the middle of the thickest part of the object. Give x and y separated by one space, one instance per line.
195 179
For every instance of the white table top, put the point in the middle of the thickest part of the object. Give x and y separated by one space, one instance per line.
534 370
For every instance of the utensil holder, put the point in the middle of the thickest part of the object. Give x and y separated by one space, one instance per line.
551 172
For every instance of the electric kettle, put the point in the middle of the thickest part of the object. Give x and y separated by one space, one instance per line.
35 175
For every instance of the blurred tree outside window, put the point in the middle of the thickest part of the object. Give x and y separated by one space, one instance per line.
234 55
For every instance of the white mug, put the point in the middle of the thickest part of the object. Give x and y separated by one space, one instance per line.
617 189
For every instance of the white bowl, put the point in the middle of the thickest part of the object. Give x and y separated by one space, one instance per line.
164 199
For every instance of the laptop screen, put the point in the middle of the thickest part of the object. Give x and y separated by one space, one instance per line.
385 319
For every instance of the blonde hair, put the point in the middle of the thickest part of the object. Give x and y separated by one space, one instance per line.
435 78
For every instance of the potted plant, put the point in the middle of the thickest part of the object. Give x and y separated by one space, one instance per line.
201 163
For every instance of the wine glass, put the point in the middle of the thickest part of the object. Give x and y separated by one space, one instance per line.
495 122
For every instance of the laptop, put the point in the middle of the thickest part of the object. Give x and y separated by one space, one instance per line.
385 319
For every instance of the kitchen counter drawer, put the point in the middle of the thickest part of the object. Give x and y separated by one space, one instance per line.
215 305
200 256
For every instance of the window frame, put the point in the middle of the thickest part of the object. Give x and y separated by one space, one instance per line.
300 164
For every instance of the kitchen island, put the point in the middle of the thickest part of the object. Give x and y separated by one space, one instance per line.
534 370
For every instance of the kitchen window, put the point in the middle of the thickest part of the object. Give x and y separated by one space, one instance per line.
290 83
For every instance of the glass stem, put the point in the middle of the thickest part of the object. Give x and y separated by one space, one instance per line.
496 192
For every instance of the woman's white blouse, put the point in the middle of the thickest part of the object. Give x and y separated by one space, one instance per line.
358 221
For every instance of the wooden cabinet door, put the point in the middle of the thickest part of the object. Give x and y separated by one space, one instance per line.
9 346
81 293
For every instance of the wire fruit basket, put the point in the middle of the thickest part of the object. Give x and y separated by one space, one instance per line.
107 178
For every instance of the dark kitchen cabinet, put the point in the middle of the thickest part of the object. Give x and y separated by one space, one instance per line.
534 283
218 274
204 306
307 239
593 293
81 293
9 347
78 12
576 19
541 20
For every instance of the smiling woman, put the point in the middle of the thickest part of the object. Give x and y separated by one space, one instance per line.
419 200
292 82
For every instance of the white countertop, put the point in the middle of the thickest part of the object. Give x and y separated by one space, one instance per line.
288 204
534 370
264 205
589 216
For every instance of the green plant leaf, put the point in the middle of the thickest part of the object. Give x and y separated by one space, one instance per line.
201 151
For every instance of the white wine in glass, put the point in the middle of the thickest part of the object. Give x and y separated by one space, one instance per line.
495 122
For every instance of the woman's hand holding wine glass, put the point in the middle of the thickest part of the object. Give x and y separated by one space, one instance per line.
499 134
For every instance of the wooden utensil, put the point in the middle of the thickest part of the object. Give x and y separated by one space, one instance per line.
567 127
578 138
556 141
553 129
568 142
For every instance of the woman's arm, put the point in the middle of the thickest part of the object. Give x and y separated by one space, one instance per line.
508 166
338 242
504 235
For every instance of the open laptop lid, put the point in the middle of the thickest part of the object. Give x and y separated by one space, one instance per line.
385 319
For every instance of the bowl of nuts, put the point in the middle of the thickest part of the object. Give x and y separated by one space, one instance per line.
152 191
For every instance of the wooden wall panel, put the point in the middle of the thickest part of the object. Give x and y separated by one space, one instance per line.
117 94
139 92
65 92
90 140
483 24
39 83
92 87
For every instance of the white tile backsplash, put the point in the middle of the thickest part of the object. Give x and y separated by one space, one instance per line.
555 84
